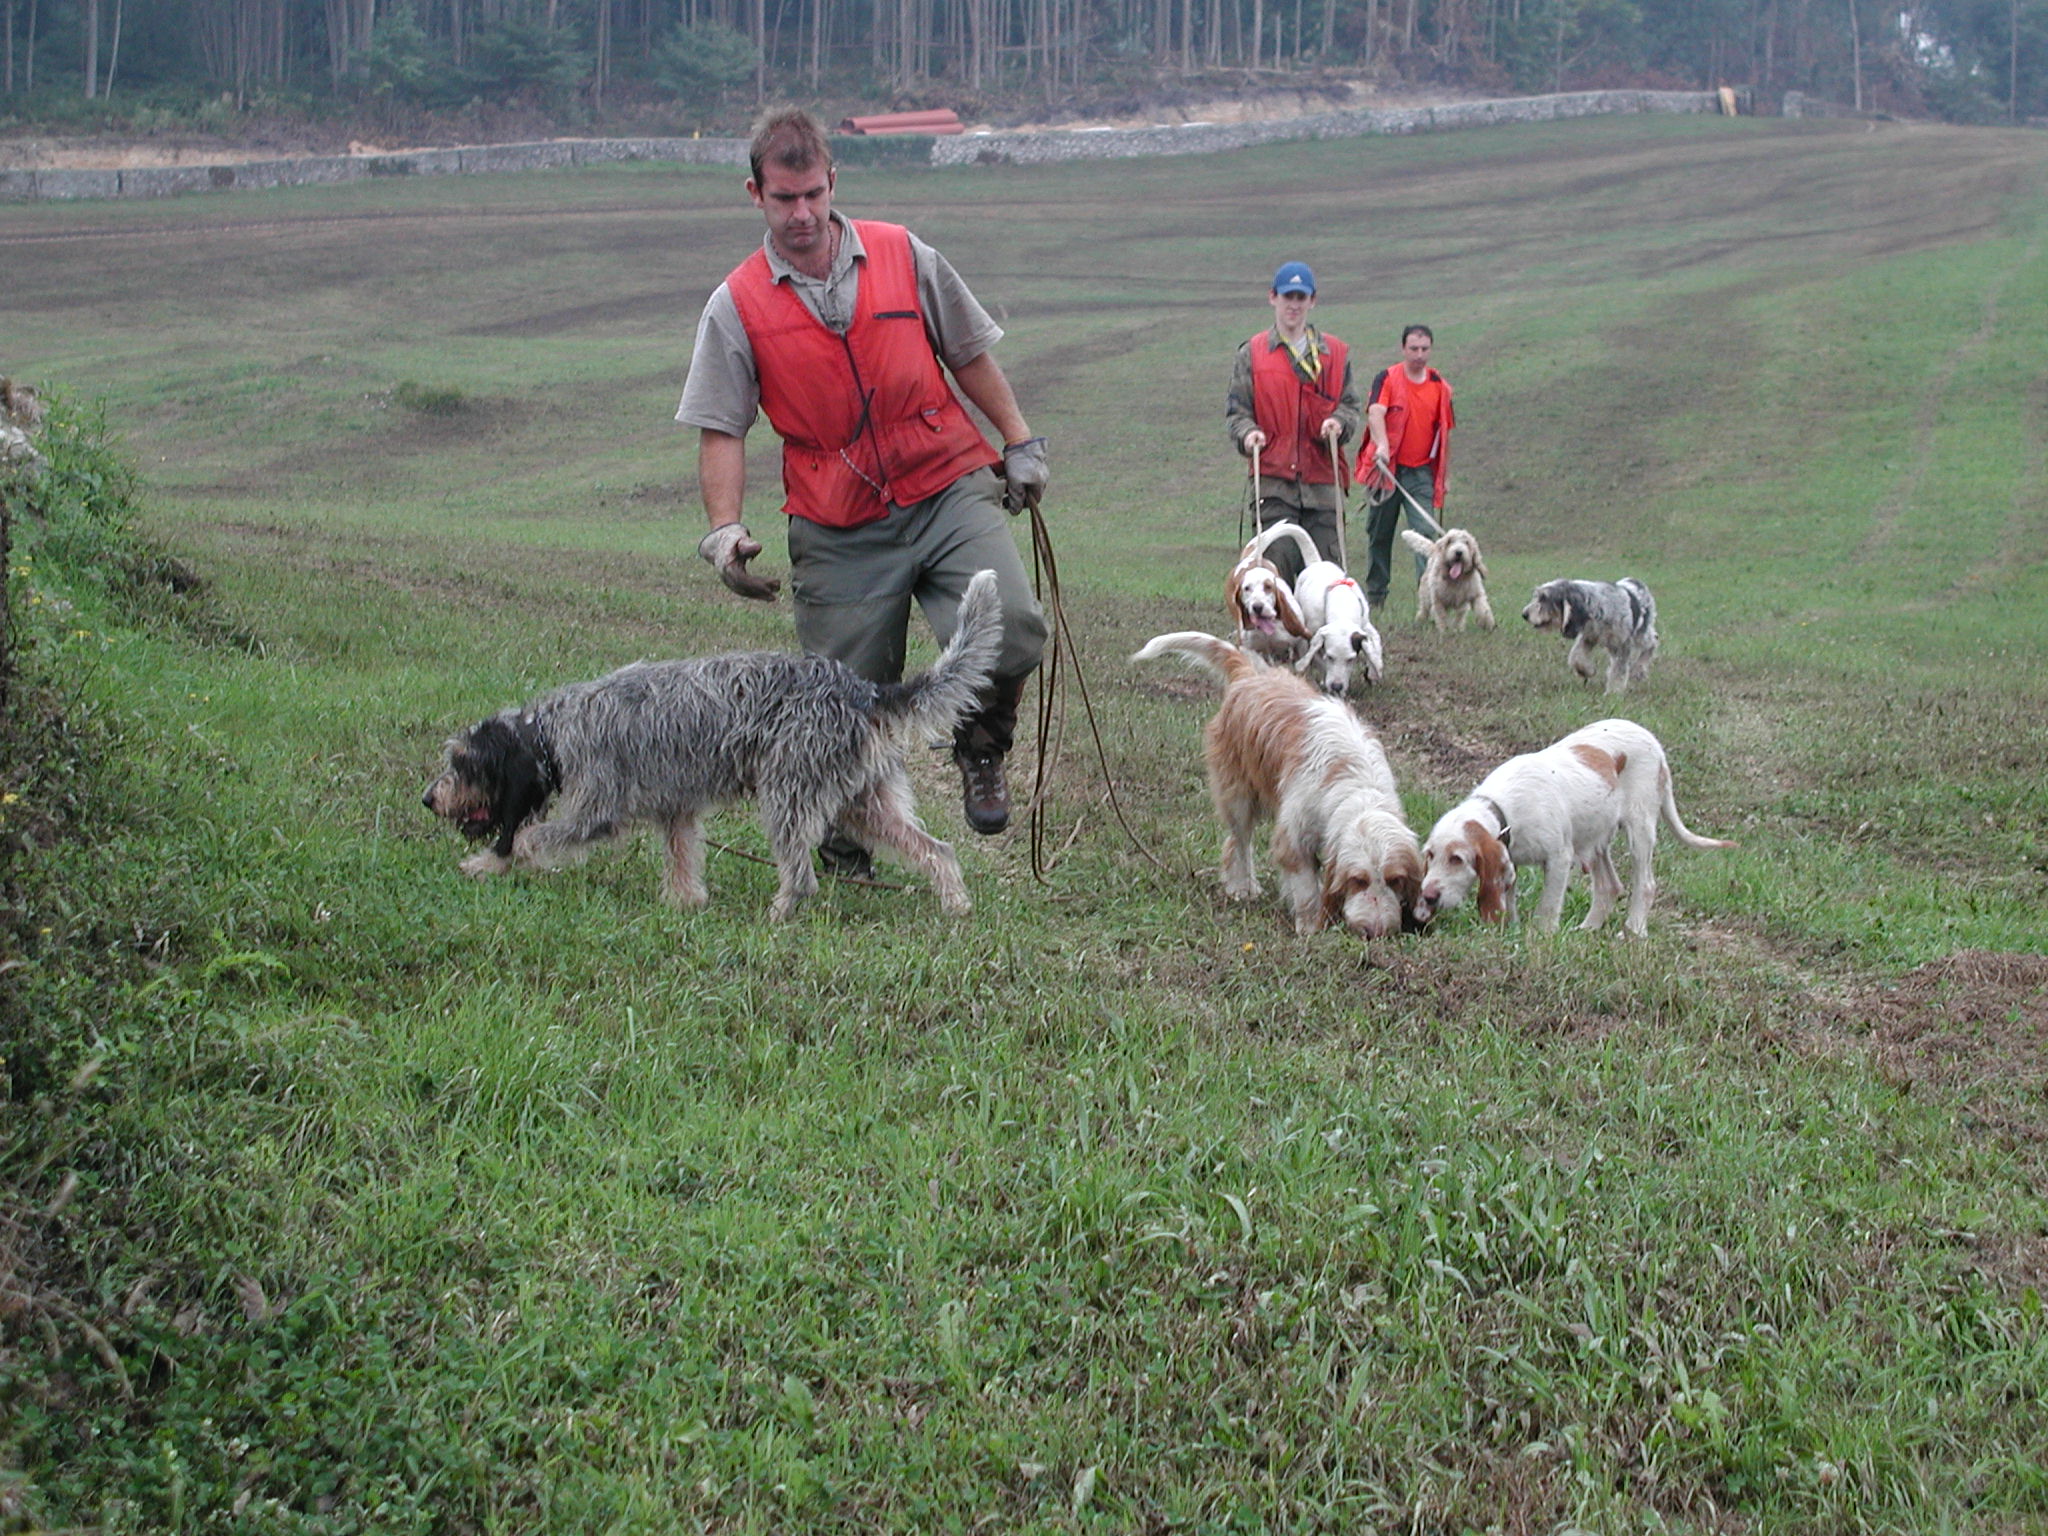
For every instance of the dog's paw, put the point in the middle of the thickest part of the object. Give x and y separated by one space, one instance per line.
482 865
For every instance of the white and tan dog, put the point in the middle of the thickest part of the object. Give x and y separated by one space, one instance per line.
1453 584
1555 810
1276 747
1341 634
1261 604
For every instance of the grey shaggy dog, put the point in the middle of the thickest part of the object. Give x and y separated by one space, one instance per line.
660 743
1617 616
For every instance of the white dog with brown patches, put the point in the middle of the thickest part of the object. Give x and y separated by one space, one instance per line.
1555 810
1262 605
1277 747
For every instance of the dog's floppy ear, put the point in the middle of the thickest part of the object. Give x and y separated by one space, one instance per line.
1316 647
1290 611
1574 616
1495 869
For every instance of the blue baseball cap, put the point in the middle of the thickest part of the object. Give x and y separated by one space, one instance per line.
1294 277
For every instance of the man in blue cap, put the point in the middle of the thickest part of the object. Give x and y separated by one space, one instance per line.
1292 400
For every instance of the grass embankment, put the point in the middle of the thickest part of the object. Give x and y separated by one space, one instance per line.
347 1194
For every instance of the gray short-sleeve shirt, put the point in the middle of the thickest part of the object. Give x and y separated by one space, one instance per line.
723 391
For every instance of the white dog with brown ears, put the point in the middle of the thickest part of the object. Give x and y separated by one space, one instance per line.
1554 810
1276 747
1453 584
1262 605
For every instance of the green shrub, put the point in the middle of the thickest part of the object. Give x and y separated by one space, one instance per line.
430 399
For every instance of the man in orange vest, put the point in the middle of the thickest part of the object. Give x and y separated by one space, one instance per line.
1408 424
843 332
1292 399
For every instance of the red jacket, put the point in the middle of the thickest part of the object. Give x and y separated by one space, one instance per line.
1396 394
866 419
1291 410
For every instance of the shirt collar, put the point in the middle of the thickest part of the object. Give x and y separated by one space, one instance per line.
849 248
1311 340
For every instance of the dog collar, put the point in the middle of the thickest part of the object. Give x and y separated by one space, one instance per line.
544 754
1499 815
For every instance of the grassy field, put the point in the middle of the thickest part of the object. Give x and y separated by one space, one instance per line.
345 1194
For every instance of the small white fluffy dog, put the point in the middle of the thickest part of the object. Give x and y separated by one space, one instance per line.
1276 747
1262 606
1453 584
1341 635
1554 810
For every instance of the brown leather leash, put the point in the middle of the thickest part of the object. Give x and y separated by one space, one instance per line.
1052 718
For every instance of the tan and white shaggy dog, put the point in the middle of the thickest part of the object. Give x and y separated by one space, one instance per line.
1278 747
1453 585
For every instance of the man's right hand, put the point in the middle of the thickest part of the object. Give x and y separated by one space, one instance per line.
1254 441
728 548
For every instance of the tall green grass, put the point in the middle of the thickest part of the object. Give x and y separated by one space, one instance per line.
345 1194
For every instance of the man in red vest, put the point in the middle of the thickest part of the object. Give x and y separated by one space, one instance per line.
1292 399
843 332
1408 423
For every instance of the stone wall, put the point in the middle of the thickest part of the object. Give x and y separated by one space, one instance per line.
318 170
964 149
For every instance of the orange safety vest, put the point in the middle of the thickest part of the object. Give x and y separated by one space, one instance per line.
866 419
1396 394
1291 410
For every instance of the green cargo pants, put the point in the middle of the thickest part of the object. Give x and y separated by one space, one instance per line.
853 587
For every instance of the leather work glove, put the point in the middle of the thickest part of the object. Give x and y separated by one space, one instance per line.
1024 470
728 549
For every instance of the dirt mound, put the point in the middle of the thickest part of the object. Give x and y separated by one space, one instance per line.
1973 1023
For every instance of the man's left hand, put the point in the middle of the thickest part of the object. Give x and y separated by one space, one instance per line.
1024 470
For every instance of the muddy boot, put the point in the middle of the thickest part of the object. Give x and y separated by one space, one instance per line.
841 856
979 746
984 792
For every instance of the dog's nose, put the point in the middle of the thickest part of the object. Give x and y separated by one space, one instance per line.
427 799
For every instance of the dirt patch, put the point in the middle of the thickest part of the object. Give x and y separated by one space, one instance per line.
1974 1024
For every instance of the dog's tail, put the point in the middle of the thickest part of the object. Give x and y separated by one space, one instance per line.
935 701
1274 532
1219 656
1416 542
1678 828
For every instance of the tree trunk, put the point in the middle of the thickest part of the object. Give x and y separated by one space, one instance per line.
2012 66
1856 54
113 50
92 47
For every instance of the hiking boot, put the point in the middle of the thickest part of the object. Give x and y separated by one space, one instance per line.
840 855
984 793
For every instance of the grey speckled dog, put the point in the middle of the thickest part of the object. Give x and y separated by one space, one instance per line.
1617 616
660 743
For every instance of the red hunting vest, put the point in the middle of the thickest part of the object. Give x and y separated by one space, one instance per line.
866 419
1292 411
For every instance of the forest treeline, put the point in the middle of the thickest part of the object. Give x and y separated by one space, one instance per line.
1965 60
